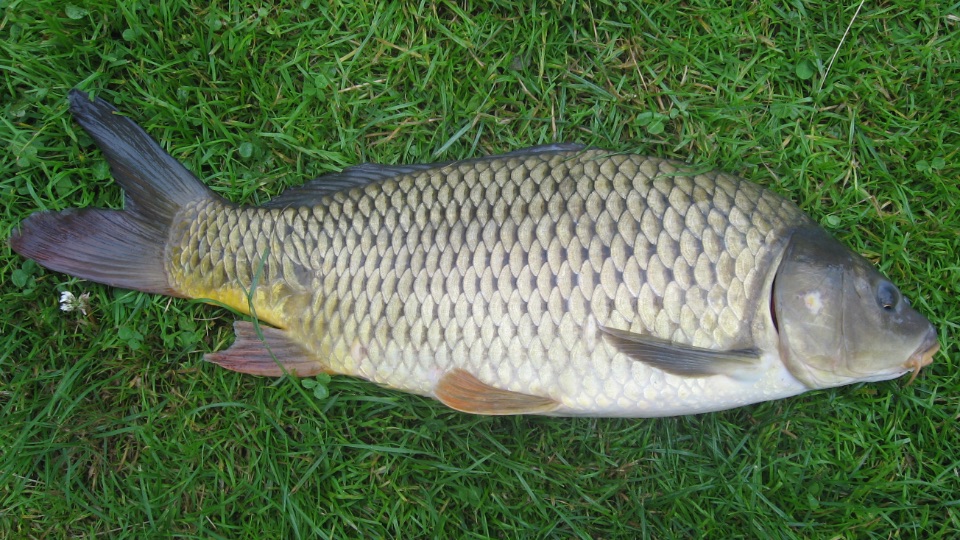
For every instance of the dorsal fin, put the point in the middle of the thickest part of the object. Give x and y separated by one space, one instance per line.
551 148
313 191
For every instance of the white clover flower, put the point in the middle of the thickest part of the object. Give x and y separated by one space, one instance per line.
69 302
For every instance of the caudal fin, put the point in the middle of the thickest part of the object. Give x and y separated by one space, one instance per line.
122 248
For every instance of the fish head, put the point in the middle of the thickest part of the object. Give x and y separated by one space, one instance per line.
840 321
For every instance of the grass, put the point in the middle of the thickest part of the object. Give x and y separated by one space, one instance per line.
111 424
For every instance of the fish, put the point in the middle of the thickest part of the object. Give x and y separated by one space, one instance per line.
557 280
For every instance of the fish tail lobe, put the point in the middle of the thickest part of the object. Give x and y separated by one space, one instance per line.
122 248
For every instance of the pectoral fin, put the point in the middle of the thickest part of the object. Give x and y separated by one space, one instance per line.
682 360
270 356
462 391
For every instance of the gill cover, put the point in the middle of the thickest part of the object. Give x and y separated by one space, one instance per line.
840 320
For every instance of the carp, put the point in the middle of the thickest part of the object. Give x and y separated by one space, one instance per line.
556 280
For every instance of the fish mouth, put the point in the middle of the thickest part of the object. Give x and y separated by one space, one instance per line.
923 356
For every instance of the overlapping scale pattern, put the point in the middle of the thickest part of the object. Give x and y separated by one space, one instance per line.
503 267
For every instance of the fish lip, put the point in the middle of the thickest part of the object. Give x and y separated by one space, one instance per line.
923 356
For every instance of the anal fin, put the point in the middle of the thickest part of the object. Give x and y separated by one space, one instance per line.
271 356
462 391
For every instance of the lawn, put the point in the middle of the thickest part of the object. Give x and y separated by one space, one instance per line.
111 424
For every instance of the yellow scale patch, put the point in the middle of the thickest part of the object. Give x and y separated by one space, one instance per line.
262 303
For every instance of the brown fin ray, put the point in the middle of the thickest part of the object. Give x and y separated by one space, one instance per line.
271 356
462 391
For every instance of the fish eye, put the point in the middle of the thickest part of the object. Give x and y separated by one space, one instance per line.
887 296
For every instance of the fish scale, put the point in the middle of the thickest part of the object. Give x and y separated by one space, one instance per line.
526 251
552 280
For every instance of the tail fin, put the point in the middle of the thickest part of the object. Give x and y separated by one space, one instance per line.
123 248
